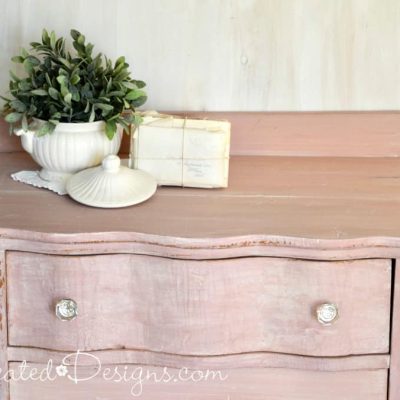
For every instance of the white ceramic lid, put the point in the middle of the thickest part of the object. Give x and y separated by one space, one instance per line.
111 185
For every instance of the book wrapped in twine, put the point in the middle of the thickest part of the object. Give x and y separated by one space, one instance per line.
180 151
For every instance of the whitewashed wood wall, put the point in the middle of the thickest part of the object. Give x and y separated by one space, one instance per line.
233 54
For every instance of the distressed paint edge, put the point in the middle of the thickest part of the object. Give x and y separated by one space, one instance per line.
194 248
394 368
4 386
242 360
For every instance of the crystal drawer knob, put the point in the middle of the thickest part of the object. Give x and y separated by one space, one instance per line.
327 313
66 310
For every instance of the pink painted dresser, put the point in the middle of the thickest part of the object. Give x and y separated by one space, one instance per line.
283 286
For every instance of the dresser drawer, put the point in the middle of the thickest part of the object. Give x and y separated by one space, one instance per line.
173 384
199 307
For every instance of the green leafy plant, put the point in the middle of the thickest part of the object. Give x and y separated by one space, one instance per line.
64 87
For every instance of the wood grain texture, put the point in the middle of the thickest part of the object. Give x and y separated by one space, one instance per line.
309 198
232 361
318 134
199 307
240 384
4 387
315 134
199 249
233 55
394 373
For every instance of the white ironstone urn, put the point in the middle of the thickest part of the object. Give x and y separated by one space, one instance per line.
71 147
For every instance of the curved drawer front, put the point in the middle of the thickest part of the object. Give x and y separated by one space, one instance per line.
157 383
199 307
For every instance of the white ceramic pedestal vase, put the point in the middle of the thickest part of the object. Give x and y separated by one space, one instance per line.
72 147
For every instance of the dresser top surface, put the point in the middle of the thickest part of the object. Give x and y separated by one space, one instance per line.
309 197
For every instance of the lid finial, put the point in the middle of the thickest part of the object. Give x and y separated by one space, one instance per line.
111 163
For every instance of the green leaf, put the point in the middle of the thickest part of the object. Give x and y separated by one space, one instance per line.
62 71
81 39
114 117
120 60
28 66
138 102
68 98
129 85
13 86
65 62
17 59
74 34
32 109
75 79
116 93
78 47
60 45
86 92
137 119
45 37
14 77
46 129
104 107
111 128
128 118
119 68
13 117
109 84
54 93
18 105
24 53
55 116
89 49
39 92
62 79
24 86
135 94
53 39
92 115
24 123
125 125
48 80
47 63
140 84
64 90
33 60
75 94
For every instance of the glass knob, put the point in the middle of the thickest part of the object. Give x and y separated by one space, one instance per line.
66 310
327 313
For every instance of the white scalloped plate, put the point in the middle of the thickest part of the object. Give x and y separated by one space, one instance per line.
111 185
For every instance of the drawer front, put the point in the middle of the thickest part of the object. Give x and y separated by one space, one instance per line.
237 384
199 307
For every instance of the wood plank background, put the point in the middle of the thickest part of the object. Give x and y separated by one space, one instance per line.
251 58
233 55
